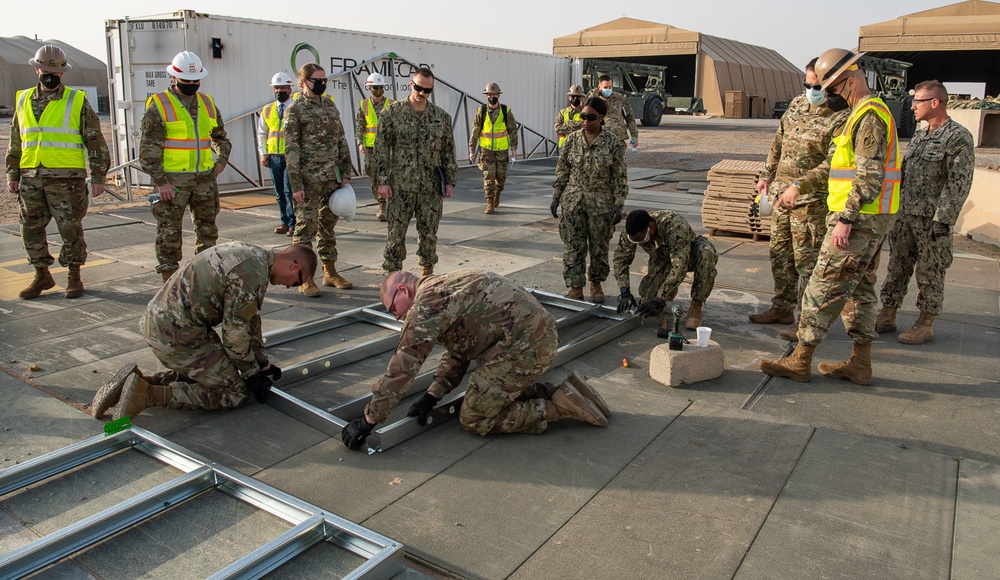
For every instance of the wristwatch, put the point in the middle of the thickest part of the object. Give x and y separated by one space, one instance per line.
844 220
796 185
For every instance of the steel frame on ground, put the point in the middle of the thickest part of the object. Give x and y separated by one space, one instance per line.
311 525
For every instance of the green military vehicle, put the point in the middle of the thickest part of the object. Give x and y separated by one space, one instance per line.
887 79
643 86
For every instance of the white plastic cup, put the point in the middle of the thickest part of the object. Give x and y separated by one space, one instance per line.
704 333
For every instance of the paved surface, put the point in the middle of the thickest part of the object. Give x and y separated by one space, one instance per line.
897 480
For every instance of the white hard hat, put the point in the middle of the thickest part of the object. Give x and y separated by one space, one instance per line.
187 66
375 79
764 204
281 79
344 203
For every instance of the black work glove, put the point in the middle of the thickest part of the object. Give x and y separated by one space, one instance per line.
626 302
617 215
356 432
258 385
422 408
651 307
939 230
273 372
554 207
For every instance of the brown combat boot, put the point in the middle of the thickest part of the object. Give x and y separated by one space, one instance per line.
596 293
773 316
138 395
332 278
575 379
575 293
74 285
567 402
107 396
857 369
166 274
496 200
426 270
309 288
791 334
921 332
796 366
491 204
43 281
694 315
886 321
380 215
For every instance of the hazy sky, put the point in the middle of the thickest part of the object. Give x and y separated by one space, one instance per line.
797 30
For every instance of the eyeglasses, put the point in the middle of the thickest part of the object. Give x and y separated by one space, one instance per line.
314 79
300 273
391 309
813 87
421 89
830 91
187 82
589 116
925 100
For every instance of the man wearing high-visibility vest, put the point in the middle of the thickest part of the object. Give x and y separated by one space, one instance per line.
863 195
271 148
53 136
568 119
494 132
180 129
366 129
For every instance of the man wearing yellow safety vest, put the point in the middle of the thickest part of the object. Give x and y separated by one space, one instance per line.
494 131
863 196
180 129
366 128
53 136
568 119
271 147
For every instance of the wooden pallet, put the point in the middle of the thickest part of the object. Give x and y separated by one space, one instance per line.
728 205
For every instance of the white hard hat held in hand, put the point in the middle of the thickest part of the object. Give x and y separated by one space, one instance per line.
344 203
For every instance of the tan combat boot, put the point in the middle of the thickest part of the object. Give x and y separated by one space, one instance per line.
107 396
166 274
596 293
332 278
796 366
74 285
575 293
496 200
309 288
886 321
791 334
857 369
491 204
43 281
138 395
380 215
575 379
773 316
426 270
694 315
567 402
921 332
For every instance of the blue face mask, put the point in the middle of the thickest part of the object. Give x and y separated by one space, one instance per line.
815 97
606 92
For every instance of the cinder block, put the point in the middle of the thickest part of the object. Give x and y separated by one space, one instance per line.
674 368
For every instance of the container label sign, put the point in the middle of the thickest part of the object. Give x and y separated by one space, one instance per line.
148 81
154 25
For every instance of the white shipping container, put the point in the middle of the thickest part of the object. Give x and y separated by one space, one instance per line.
241 55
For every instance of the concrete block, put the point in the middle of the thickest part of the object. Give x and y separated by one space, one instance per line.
674 368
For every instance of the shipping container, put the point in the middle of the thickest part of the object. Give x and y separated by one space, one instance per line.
242 55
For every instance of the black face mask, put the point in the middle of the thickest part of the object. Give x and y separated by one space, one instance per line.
836 102
282 96
188 89
575 101
493 100
318 86
49 80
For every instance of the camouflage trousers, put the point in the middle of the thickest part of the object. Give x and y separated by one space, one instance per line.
796 236
494 166
910 247
201 194
843 283
585 232
314 219
202 376
702 263
400 209
42 199
369 171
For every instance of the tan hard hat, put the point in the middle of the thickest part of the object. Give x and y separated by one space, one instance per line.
833 63
576 91
50 58
492 88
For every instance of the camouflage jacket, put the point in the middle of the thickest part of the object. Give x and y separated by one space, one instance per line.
315 144
672 243
98 156
413 147
564 127
361 117
474 315
937 172
154 134
871 142
223 285
620 119
593 174
799 148
477 127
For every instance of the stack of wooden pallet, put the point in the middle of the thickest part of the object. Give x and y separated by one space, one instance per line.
729 205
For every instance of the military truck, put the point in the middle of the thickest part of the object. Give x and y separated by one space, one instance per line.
643 85
887 79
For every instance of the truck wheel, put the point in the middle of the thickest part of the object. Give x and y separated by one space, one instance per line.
652 112
907 121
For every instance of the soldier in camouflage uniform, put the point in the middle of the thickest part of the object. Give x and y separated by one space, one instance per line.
223 286
568 119
794 179
497 144
415 170
591 185
366 130
937 176
51 182
620 119
863 196
319 162
483 317
173 121
674 250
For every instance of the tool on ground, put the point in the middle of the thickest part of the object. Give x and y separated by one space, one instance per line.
675 340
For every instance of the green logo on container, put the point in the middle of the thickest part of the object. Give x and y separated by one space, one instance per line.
299 48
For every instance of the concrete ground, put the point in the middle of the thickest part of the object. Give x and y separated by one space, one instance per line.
733 477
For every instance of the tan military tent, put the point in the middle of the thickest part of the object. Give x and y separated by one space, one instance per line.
699 65
16 74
